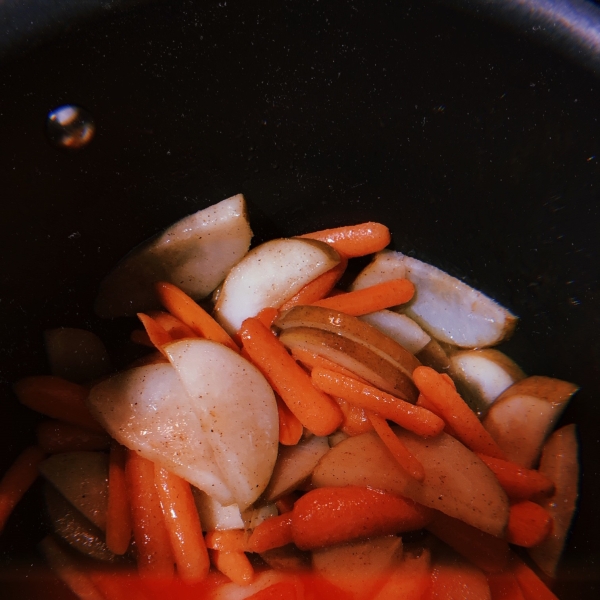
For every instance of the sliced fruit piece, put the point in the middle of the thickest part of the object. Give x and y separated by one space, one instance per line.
215 516
237 411
559 462
354 356
434 356
195 254
448 309
524 414
148 410
456 482
82 478
269 275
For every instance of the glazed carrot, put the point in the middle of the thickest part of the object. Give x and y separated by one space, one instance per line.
180 305
154 553
233 564
371 299
332 515
504 586
354 240
118 515
318 288
398 450
57 436
177 329
228 540
57 398
455 411
290 428
315 410
183 525
411 417
156 332
528 524
531 585
271 533
485 551
518 482
355 420
267 315
311 360
423 402
17 480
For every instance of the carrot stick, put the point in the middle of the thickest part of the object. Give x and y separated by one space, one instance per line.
267 315
17 480
318 288
183 525
311 360
271 533
154 553
332 515
233 564
57 398
528 524
354 240
54 437
518 482
118 514
180 305
423 402
315 410
290 428
172 325
156 332
371 299
228 540
398 450
355 420
531 585
485 551
411 417
456 412
504 586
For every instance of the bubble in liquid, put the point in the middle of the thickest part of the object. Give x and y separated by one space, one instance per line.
70 126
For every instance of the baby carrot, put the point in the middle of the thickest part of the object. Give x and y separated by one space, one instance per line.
371 299
290 429
57 398
354 240
177 329
57 436
17 480
504 586
180 305
528 524
332 515
118 515
311 360
411 417
518 482
355 420
315 410
398 450
156 332
228 540
267 315
183 525
531 585
234 565
271 533
455 411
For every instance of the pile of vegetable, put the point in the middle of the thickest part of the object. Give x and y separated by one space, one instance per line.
284 438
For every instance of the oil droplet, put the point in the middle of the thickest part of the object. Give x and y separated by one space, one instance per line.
70 126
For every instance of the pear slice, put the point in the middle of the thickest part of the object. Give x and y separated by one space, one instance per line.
354 356
215 516
448 309
195 254
524 414
269 275
237 410
400 328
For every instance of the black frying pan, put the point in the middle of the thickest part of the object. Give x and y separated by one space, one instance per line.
476 145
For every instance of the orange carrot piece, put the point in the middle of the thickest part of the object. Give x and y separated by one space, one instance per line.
17 480
398 450
528 524
234 565
156 332
57 398
414 418
531 585
504 586
423 402
267 315
371 299
355 420
518 482
118 515
311 360
354 240
332 515
290 428
485 551
271 533
154 553
183 525
176 328
318 288
315 410
456 412
54 437
228 540
180 305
